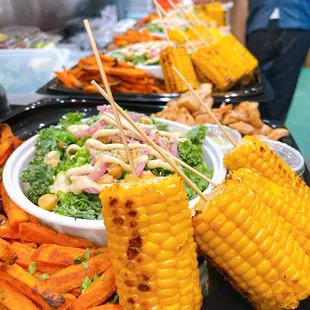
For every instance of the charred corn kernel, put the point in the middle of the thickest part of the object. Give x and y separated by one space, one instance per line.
177 35
284 201
48 202
249 61
153 269
253 149
178 57
213 65
262 258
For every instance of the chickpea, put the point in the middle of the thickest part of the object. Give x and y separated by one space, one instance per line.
61 145
48 202
106 179
116 171
104 139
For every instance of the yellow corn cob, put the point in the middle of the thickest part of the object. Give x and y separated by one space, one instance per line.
209 34
215 66
250 245
254 154
284 201
249 61
176 36
178 57
151 242
216 12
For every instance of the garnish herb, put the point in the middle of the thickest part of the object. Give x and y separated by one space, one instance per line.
81 259
44 276
32 268
115 299
85 284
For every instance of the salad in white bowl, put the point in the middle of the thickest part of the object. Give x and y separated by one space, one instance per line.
75 160
145 53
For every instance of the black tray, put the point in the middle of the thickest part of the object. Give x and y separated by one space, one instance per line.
27 120
258 90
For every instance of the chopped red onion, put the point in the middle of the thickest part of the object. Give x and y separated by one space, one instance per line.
140 168
91 130
98 174
174 148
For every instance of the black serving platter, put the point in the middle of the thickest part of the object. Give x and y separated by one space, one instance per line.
256 90
26 121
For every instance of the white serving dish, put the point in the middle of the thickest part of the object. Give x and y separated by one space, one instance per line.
214 131
291 156
92 230
153 70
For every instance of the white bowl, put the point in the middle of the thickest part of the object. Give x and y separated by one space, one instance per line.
215 133
291 156
153 70
92 230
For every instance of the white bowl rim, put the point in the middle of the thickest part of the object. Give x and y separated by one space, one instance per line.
13 188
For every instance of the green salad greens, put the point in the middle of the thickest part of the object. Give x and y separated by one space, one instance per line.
40 175
191 152
152 27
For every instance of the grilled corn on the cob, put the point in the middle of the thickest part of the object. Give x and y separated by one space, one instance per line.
214 64
251 245
284 201
150 238
254 154
177 35
178 57
236 48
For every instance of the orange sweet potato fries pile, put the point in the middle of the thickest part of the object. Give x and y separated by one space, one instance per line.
123 78
42 269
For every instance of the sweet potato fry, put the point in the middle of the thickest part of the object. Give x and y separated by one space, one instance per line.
16 142
75 82
4 242
108 306
60 255
8 232
119 72
63 78
6 149
24 259
90 88
11 299
15 214
23 253
40 234
76 292
72 276
69 299
97 293
49 268
25 283
7 255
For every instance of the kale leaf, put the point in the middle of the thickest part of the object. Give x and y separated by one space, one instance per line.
49 139
39 176
84 206
71 119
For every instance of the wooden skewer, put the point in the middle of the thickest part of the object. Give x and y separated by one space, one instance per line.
150 142
187 40
108 89
205 106
179 161
159 13
182 13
